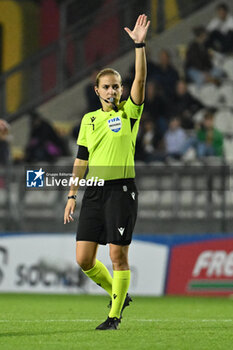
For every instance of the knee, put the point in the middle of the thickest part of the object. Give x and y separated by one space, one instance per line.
119 258
84 262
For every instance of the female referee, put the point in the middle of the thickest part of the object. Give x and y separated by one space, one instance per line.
106 142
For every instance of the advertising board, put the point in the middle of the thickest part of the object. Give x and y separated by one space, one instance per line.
45 263
201 268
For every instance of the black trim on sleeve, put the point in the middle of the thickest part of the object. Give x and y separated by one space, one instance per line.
82 153
136 103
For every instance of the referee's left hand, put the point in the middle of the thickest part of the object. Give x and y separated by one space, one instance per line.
138 34
69 210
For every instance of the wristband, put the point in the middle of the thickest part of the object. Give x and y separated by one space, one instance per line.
139 45
72 197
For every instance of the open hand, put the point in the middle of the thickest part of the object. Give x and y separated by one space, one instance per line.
138 34
69 210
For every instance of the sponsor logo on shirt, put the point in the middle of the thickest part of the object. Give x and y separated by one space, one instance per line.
115 124
92 119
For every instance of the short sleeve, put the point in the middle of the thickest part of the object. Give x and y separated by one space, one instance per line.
133 110
82 141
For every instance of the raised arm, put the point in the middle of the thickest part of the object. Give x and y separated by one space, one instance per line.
138 35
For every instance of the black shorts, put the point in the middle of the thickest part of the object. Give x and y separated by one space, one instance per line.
108 213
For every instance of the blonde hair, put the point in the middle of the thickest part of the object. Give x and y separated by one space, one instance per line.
107 71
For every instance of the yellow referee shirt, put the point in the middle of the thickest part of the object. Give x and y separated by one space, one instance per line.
110 138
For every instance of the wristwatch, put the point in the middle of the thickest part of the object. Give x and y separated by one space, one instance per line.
72 197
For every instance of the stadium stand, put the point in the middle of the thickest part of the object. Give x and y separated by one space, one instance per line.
162 196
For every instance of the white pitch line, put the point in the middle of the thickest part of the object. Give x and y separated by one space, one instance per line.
137 320
36 321
183 320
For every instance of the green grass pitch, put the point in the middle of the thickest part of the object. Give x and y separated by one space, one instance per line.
57 322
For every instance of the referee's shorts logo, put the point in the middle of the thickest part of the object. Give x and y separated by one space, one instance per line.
115 124
121 230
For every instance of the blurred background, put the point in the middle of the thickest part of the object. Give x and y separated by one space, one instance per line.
50 53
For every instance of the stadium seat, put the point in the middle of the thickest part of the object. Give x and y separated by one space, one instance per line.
200 198
228 149
209 95
217 198
148 198
3 199
35 205
224 121
167 198
225 94
198 116
228 67
194 91
229 199
186 198
8 199
166 182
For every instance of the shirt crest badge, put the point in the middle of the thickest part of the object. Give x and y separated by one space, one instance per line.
115 124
